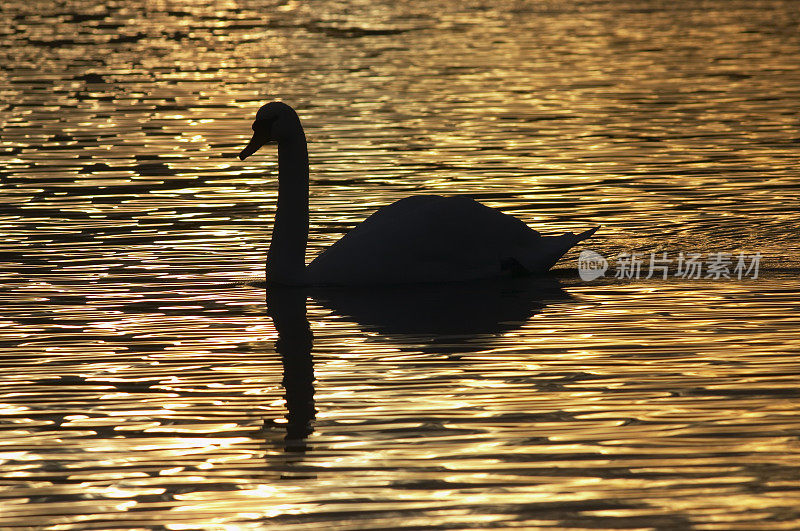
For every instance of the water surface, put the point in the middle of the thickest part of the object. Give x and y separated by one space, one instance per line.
143 383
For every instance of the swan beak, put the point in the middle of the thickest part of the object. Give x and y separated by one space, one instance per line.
255 143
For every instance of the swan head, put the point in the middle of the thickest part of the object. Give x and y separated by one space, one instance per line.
275 122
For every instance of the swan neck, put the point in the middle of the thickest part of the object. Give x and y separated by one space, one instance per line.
287 250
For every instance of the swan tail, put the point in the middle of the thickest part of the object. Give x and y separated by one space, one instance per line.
585 235
540 258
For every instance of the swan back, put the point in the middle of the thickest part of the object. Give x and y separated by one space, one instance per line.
436 239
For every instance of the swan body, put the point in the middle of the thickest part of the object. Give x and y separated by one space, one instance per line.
424 238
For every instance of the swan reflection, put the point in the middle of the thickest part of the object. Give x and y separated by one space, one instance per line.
465 309
469 314
287 308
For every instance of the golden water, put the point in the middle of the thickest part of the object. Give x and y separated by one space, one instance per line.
141 385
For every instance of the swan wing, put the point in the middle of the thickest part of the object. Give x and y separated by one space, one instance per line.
434 239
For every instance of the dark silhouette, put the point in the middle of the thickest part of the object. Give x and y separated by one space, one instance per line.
287 308
423 238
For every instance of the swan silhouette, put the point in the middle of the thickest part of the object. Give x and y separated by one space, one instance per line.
424 238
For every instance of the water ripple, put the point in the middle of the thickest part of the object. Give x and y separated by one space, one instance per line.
146 381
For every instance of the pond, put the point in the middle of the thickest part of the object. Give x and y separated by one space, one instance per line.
149 379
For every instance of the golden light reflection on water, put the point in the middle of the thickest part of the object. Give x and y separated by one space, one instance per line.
143 381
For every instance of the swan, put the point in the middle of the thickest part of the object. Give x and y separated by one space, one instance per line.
423 238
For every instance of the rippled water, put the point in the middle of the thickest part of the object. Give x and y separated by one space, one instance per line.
147 382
